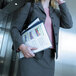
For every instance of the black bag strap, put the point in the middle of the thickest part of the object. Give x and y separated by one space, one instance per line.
31 10
28 20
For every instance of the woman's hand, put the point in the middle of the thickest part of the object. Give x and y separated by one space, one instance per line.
60 1
27 50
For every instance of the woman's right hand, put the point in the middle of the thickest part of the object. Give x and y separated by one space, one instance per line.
27 50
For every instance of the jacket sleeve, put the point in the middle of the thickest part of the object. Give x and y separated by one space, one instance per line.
19 18
65 17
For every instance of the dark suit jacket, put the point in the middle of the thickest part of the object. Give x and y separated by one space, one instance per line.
60 18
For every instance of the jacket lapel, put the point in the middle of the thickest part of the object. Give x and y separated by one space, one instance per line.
40 7
52 15
51 10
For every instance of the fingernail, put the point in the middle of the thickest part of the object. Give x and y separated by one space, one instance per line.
33 55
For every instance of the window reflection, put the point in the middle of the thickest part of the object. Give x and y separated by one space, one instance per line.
1 37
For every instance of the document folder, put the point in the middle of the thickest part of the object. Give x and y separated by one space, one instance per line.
36 36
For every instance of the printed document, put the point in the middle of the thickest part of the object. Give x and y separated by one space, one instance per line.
36 36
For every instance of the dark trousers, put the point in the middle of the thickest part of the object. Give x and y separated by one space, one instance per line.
43 64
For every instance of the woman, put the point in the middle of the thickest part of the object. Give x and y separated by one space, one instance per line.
41 63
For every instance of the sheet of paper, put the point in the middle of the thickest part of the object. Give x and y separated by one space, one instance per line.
35 21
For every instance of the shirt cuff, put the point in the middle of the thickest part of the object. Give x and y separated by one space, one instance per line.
61 2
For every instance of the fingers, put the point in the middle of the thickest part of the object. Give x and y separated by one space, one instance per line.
33 48
29 53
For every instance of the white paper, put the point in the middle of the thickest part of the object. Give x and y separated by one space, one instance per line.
35 21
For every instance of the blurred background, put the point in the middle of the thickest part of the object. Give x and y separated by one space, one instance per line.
65 64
